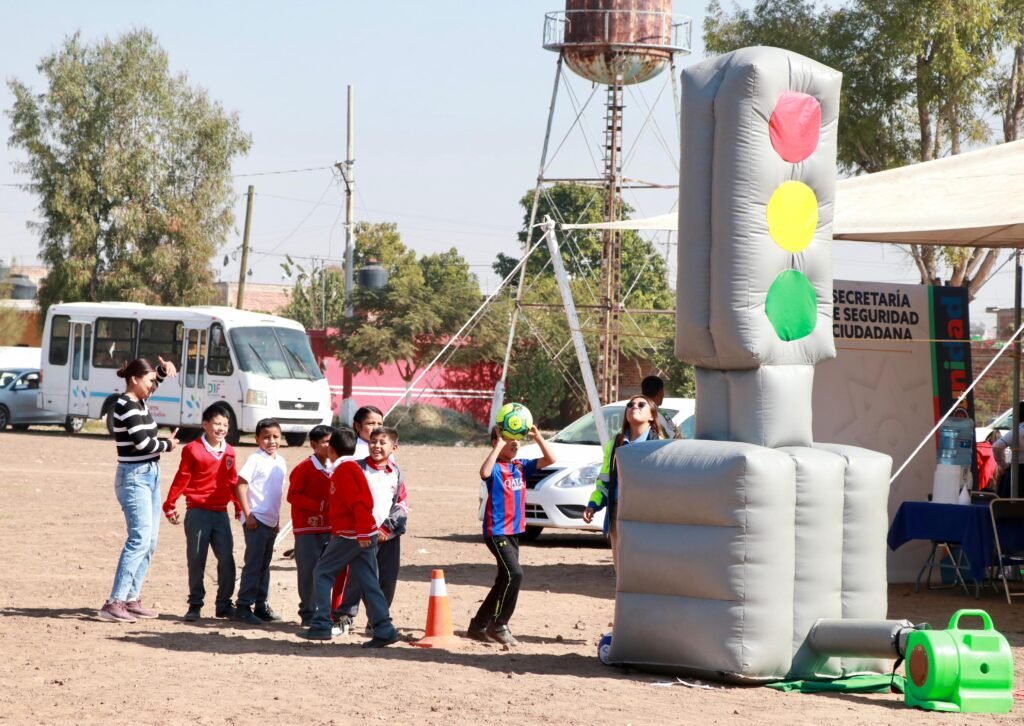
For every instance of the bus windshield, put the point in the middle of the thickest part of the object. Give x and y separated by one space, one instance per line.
275 352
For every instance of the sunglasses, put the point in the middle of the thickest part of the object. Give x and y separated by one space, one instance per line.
638 405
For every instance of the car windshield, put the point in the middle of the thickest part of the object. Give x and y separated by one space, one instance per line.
6 377
1003 422
584 431
275 352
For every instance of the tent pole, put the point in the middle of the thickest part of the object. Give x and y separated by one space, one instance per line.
1015 449
574 330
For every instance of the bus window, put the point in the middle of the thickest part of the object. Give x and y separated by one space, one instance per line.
218 363
60 332
115 342
160 339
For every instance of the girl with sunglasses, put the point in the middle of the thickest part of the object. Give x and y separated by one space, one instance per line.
639 423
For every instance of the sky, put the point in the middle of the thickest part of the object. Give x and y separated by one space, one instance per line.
451 102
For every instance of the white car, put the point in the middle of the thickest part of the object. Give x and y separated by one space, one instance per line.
556 496
999 425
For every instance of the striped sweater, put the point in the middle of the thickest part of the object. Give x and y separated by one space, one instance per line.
135 430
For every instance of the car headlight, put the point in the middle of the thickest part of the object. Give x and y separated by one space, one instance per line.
255 398
585 476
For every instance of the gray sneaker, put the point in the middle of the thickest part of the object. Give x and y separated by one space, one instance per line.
116 611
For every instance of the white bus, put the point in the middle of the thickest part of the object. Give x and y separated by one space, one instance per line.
259 366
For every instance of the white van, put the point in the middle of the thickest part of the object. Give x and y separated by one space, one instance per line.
259 366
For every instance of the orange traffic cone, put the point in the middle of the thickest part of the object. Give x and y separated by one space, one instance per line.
439 617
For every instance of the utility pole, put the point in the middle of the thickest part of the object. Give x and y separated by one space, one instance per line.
245 251
347 410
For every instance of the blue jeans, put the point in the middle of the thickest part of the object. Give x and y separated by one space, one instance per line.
138 492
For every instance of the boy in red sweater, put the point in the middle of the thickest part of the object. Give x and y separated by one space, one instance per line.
309 483
207 476
353 544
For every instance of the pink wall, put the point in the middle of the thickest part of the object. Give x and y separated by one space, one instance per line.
466 390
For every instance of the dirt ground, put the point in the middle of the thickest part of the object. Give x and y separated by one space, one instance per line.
61 531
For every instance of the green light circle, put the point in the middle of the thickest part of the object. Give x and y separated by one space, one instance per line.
792 305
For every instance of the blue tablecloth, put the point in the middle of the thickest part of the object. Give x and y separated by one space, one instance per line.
969 525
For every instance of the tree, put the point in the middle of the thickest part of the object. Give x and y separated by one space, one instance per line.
410 320
132 168
318 296
919 80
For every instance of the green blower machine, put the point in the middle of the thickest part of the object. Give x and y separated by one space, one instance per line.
968 671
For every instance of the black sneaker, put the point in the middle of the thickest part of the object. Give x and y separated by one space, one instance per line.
246 615
306 621
267 614
380 642
193 613
501 634
475 632
226 611
316 634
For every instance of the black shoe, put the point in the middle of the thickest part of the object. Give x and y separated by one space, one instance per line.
288 554
193 613
316 634
267 614
380 642
227 611
501 634
474 632
246 615
306 621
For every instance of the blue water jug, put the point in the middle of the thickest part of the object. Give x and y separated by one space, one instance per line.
956 441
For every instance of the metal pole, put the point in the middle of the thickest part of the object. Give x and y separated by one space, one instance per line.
499 388
245 251
574 330
347 410
1015 449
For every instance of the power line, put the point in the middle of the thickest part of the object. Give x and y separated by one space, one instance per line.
282 171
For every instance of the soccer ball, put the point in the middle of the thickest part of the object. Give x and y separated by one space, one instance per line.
514 421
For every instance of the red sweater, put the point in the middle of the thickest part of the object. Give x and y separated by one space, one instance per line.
309 487
351 503
207 481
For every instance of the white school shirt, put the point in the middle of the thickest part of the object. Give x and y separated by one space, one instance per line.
265 475
383 486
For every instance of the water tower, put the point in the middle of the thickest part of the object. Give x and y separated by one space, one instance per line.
614 44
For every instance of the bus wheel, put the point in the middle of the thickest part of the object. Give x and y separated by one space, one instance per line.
233 435
295 438
110 420
74 424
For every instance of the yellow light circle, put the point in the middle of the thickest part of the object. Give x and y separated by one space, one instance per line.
792 215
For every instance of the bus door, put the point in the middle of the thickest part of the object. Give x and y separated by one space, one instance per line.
193 376
81 365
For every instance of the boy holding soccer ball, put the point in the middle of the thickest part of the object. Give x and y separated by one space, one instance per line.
504 520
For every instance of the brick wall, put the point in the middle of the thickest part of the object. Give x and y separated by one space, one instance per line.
994 393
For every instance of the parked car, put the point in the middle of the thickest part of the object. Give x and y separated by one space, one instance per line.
999 426
556 496
19 395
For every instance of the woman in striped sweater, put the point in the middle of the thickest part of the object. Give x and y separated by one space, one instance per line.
137 485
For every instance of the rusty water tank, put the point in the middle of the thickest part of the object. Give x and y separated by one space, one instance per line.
632 38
